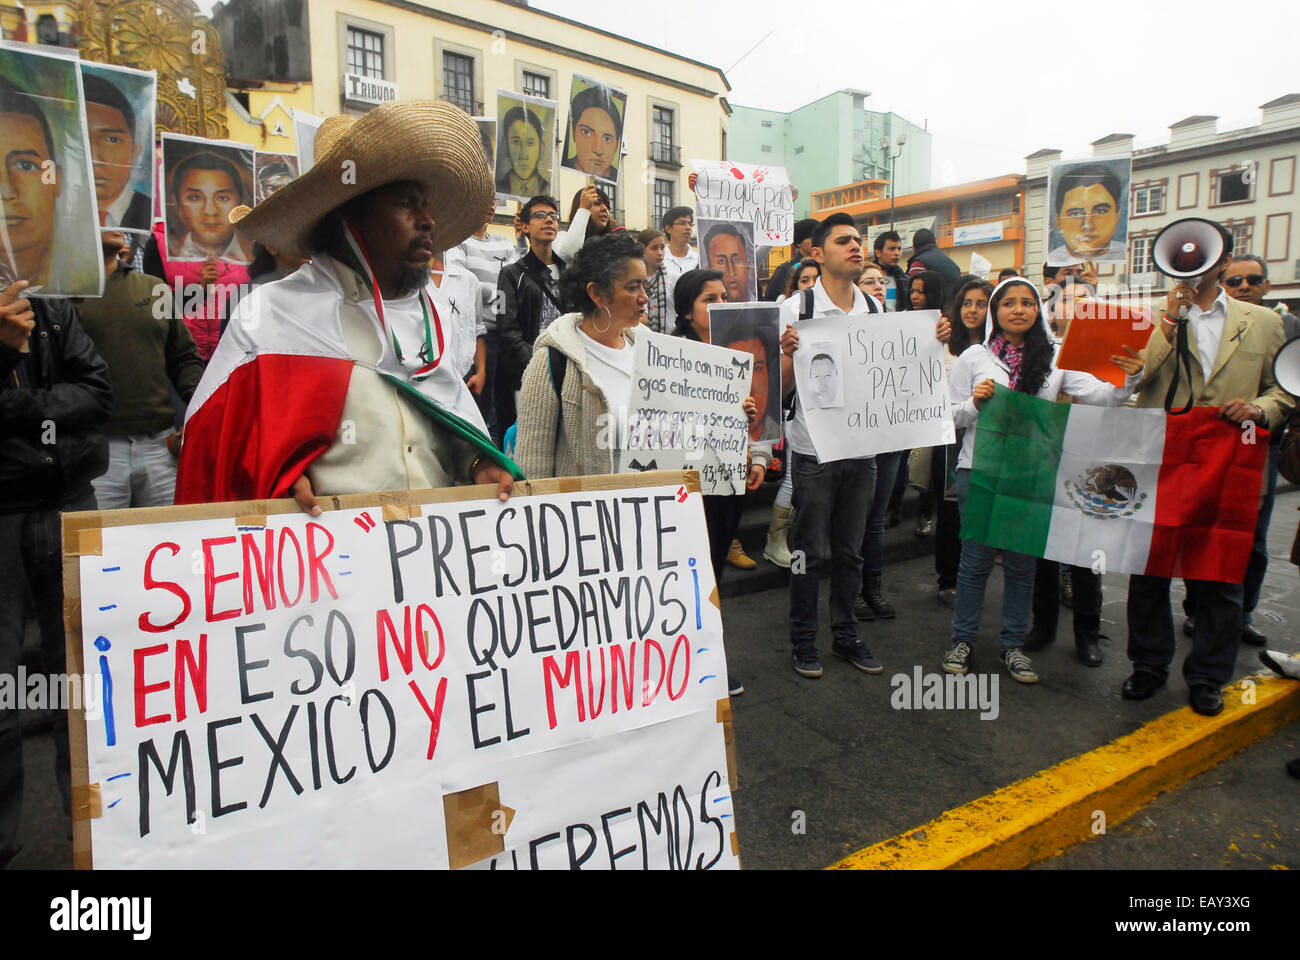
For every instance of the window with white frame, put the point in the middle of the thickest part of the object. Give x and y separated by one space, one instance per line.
1149 199
365 53
1140 255
537 85
458 80
1241 237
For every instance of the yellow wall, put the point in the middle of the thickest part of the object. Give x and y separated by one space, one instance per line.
416 66
261 132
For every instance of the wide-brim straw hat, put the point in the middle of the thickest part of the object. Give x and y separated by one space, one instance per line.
429 141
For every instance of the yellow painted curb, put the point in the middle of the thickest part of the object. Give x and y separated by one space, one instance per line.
1043 815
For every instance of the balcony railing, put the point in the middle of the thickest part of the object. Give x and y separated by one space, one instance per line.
666 154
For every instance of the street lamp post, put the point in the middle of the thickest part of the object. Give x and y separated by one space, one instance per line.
884 146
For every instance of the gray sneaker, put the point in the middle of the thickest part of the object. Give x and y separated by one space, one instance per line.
858 655
958 659
806 664
1018 665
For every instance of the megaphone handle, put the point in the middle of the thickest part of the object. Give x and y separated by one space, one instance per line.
1182 312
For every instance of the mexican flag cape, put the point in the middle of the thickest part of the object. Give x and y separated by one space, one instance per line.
271 398
1117 490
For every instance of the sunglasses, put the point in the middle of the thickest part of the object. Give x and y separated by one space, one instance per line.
1254 279
545 215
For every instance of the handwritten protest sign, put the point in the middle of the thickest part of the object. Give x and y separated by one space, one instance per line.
742 191
686 411
410 679
872 383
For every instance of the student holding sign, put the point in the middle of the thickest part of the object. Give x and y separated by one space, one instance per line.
831 499
694 292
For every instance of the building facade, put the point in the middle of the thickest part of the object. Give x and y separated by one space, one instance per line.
1244 179
831 141
984 217
363 51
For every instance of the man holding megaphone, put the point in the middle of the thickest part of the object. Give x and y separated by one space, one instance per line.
1211 351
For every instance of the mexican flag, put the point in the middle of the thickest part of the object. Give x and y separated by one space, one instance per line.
1116 489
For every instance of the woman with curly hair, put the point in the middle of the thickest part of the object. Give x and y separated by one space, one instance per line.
578 384
1017 352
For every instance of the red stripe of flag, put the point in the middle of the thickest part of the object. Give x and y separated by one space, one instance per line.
1208 498
261 429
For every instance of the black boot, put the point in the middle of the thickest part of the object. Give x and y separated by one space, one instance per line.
1088 647
876 600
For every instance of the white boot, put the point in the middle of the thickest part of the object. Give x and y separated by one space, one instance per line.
778 533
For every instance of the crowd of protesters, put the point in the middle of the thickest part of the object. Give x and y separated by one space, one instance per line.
541 331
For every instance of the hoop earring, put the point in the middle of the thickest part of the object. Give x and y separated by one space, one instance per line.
607 325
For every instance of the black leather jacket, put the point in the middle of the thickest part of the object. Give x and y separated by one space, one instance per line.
52 401
522 286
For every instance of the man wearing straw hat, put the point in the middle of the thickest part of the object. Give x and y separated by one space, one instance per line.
332 380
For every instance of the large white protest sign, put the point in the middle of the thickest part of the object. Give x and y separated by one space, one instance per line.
687 411
872 383
397 683
742 191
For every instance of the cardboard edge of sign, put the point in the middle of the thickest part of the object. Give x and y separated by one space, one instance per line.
83 536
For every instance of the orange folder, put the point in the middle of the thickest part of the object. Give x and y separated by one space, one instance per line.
1098 331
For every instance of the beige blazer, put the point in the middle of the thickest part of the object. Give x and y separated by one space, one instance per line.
1243 369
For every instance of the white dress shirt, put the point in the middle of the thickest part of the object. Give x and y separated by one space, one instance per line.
1207 327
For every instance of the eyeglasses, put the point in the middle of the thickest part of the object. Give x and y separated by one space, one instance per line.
1254 279
545 215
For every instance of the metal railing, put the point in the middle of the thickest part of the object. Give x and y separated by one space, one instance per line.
665 153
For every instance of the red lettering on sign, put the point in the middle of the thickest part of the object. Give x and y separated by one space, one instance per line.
572 674
152 583
143 689
211 580
198 674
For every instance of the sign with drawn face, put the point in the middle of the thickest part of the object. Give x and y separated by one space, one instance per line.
728 246
743 191
120 105
525 153
593 139
49 217
203 181
1087 216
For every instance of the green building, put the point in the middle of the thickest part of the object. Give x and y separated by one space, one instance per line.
830 142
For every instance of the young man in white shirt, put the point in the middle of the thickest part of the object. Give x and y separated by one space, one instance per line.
678 225
831 499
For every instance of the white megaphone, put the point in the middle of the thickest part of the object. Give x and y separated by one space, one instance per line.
1286 368
1188 248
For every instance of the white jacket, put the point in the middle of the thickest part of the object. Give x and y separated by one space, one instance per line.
977 363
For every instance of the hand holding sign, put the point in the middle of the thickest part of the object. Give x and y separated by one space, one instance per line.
16 317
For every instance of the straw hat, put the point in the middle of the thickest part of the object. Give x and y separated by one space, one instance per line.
429 141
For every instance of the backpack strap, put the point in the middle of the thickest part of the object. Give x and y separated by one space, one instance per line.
558 362
806 307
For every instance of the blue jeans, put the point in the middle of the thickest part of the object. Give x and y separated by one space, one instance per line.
973 574
830 502
873 544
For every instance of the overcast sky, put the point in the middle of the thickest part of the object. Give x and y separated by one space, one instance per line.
995 80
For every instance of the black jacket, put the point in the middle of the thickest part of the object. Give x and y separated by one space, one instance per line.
52 402
935 259
522 287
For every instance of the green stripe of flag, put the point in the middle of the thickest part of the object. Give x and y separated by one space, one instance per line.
1013 472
